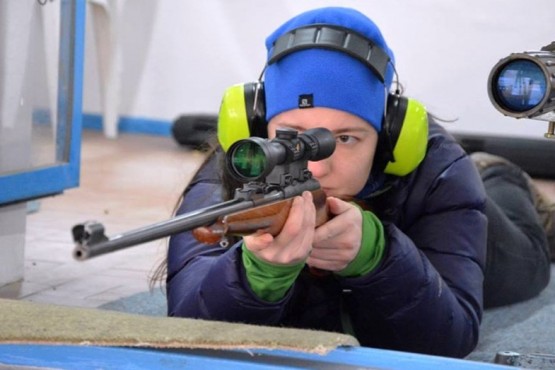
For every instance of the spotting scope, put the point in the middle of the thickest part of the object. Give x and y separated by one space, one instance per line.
522 85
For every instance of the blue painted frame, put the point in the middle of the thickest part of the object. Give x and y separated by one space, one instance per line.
40 182
72 357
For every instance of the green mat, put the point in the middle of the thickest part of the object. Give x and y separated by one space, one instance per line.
38 323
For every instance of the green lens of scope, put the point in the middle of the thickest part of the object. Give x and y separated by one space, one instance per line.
248 160
521 85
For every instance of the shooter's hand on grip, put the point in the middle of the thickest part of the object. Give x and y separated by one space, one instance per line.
329 244
294 243
337 242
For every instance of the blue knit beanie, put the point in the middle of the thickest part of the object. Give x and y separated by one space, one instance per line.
330 78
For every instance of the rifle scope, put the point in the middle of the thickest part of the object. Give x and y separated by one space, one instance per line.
255 158
522 85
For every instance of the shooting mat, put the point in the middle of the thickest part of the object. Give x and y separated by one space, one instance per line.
38 323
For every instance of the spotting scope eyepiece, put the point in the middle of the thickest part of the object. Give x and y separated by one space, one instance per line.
522 85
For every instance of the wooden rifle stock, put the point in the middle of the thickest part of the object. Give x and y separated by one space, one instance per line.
244 216
267 218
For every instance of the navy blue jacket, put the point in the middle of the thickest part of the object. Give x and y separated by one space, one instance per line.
425 296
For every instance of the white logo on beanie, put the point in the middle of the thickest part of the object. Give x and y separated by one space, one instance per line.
306 101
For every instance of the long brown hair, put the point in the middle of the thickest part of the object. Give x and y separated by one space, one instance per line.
210 149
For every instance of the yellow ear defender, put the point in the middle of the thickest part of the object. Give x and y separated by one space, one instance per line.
402 140
242 114
404 136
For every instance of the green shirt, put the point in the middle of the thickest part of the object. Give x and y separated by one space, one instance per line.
271 282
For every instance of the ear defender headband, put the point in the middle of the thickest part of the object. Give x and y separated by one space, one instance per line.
404 134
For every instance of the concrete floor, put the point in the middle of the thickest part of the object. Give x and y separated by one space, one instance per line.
125 184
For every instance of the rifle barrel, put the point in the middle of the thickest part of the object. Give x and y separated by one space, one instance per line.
86 247
90 240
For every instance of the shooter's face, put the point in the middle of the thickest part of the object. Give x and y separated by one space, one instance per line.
344 173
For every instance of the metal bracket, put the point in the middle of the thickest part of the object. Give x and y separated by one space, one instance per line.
527 361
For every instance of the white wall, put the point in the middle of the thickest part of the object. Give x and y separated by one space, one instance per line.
178 56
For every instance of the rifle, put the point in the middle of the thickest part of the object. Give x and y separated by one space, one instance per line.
272 173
